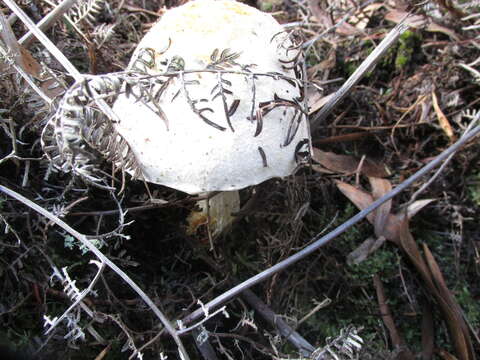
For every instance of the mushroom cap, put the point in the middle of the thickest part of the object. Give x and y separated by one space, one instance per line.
231 113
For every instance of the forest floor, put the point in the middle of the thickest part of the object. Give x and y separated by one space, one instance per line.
408 288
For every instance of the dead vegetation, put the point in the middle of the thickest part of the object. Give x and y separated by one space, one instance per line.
399 285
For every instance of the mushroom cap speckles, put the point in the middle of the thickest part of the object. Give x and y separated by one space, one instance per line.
226 129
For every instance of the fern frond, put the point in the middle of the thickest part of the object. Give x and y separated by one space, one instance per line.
103 33
346 346
86 10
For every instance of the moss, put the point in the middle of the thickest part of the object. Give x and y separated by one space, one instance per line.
470 306
474 188
383 261
269 5
405 50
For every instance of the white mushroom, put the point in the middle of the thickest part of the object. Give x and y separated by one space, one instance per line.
227 109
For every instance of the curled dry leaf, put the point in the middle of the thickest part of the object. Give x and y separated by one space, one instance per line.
454 318
428 332
442 119
379 188
431 275
388 224
420 21
346 164
366 248
360 198
403 352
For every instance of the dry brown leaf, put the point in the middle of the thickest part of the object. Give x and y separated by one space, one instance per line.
366 248
442 119
416 206
434 27
29 64
428 332
420 21
408 244
451 316
379 188
462 340
397 229
445 355
360 198
388 224
415 21
348 164
320 169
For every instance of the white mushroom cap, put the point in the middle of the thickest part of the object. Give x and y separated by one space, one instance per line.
195 150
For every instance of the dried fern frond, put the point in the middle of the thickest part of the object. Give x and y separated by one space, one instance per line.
86 11
103 33
79 132
345 346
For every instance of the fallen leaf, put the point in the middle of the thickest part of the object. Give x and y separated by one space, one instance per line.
428 332
396 229
402 351
29 64
415 21
360 198
409 246
366 248
416 206
442 119
434 27
348 164
453 319
391 225
379 188
419 22
322 170
445 355
462 340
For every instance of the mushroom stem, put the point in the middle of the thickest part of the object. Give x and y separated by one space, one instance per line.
217 212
